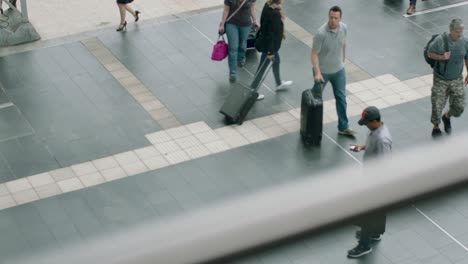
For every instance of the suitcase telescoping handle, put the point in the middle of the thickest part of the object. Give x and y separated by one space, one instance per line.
255 83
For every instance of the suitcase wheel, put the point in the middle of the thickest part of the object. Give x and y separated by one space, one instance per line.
229 121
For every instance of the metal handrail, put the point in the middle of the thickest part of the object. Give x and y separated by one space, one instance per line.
278 212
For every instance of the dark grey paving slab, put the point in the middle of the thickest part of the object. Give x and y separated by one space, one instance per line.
13 124
3 97
27 156
73 107
5 172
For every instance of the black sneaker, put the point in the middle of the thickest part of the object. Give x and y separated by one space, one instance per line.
359 251
447 125
373 238
436 132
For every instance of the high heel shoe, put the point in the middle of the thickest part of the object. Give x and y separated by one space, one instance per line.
122 26
137 15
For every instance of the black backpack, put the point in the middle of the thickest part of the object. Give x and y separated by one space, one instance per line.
430 61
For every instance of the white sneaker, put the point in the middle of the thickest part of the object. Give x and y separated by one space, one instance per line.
284 85
260 97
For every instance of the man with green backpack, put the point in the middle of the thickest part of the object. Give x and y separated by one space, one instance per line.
446 53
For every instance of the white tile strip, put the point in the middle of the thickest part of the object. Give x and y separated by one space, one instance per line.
48 190
444 7
105 163
7 201
25 196
40 179
5 105
197 140
3 190
92 179
70 185
18 185
131 83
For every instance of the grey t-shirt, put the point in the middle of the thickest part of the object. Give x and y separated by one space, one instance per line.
379 143
459 53
242 17
329 46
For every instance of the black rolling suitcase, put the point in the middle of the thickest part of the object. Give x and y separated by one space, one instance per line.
243 97
311 118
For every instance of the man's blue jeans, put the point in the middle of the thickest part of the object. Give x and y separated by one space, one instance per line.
338 82
412 2
237 39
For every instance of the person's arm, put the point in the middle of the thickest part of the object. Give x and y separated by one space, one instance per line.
357 148
466 60
344 52
315 64
439 57
344 44
436 50
223 18
316 47
466 67
253 14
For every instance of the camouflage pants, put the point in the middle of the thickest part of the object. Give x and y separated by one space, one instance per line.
441 91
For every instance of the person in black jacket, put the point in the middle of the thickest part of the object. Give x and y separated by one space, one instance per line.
271 34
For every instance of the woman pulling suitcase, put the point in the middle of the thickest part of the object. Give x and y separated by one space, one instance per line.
270 37
242 98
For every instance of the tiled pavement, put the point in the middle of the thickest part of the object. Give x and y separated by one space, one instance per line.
64 96
197 140
56 18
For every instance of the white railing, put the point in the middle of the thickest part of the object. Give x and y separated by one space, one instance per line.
279 212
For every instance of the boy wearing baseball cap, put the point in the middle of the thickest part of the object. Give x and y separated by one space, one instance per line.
378 144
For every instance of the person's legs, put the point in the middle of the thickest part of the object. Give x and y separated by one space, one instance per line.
262 59
456 94
276 69
122 13
363 247
130 10
338 81
412 7
457 98
365 238
232 32
242 48
439 95
262 66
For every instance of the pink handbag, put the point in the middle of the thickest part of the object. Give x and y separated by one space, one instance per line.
220 49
